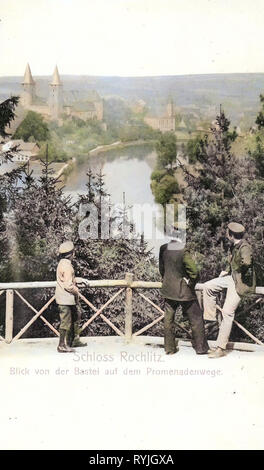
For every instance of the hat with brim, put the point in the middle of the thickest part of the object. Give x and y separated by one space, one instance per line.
236 228
66 247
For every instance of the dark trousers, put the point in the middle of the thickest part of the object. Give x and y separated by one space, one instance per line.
69 314
195 316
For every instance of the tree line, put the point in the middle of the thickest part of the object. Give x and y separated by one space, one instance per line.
75 137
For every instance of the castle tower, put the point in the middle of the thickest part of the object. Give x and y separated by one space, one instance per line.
170 108
99 107
56 95
29 88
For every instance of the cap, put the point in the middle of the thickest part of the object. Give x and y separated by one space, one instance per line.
236 228
66 247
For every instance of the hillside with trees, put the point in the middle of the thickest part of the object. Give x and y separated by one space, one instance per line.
200 94
73 137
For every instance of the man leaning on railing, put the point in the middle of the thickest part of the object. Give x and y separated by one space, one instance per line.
66 296
238 279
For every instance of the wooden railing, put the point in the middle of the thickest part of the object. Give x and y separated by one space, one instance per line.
128 284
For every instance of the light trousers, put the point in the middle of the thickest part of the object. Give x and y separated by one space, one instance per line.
210 291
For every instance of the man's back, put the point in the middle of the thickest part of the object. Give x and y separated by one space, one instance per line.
65 288
176 268
242 268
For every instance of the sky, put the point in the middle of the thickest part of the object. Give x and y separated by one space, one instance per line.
131 37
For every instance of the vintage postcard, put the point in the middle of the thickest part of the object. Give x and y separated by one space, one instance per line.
131 227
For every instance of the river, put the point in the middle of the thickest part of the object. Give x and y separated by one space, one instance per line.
126 170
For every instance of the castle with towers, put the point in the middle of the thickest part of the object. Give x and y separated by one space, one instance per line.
56 107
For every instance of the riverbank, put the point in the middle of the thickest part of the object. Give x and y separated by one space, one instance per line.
66 168
118 145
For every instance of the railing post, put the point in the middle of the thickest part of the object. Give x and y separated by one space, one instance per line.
128 307
9 319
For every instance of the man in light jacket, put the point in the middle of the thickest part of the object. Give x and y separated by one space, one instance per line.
66 296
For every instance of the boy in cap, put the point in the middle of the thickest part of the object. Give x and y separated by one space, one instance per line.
239 279
66 295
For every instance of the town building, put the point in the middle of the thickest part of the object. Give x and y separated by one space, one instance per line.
166 123
90 108
21 151
138 106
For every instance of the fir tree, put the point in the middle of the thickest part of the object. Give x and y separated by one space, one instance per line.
258 152
8 193
111 259
226 189
211 196
8 190
43 217
7 114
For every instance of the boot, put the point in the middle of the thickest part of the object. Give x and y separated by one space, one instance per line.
77 343
63 347
69 336
218 352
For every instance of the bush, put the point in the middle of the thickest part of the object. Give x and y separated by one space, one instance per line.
156 175
32 126
56 154
164 189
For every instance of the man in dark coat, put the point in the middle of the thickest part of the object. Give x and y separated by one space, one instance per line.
179 273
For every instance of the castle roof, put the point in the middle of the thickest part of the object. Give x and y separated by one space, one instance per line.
24 149
21 145
83 106
92 95
182 125
28 79
56 78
